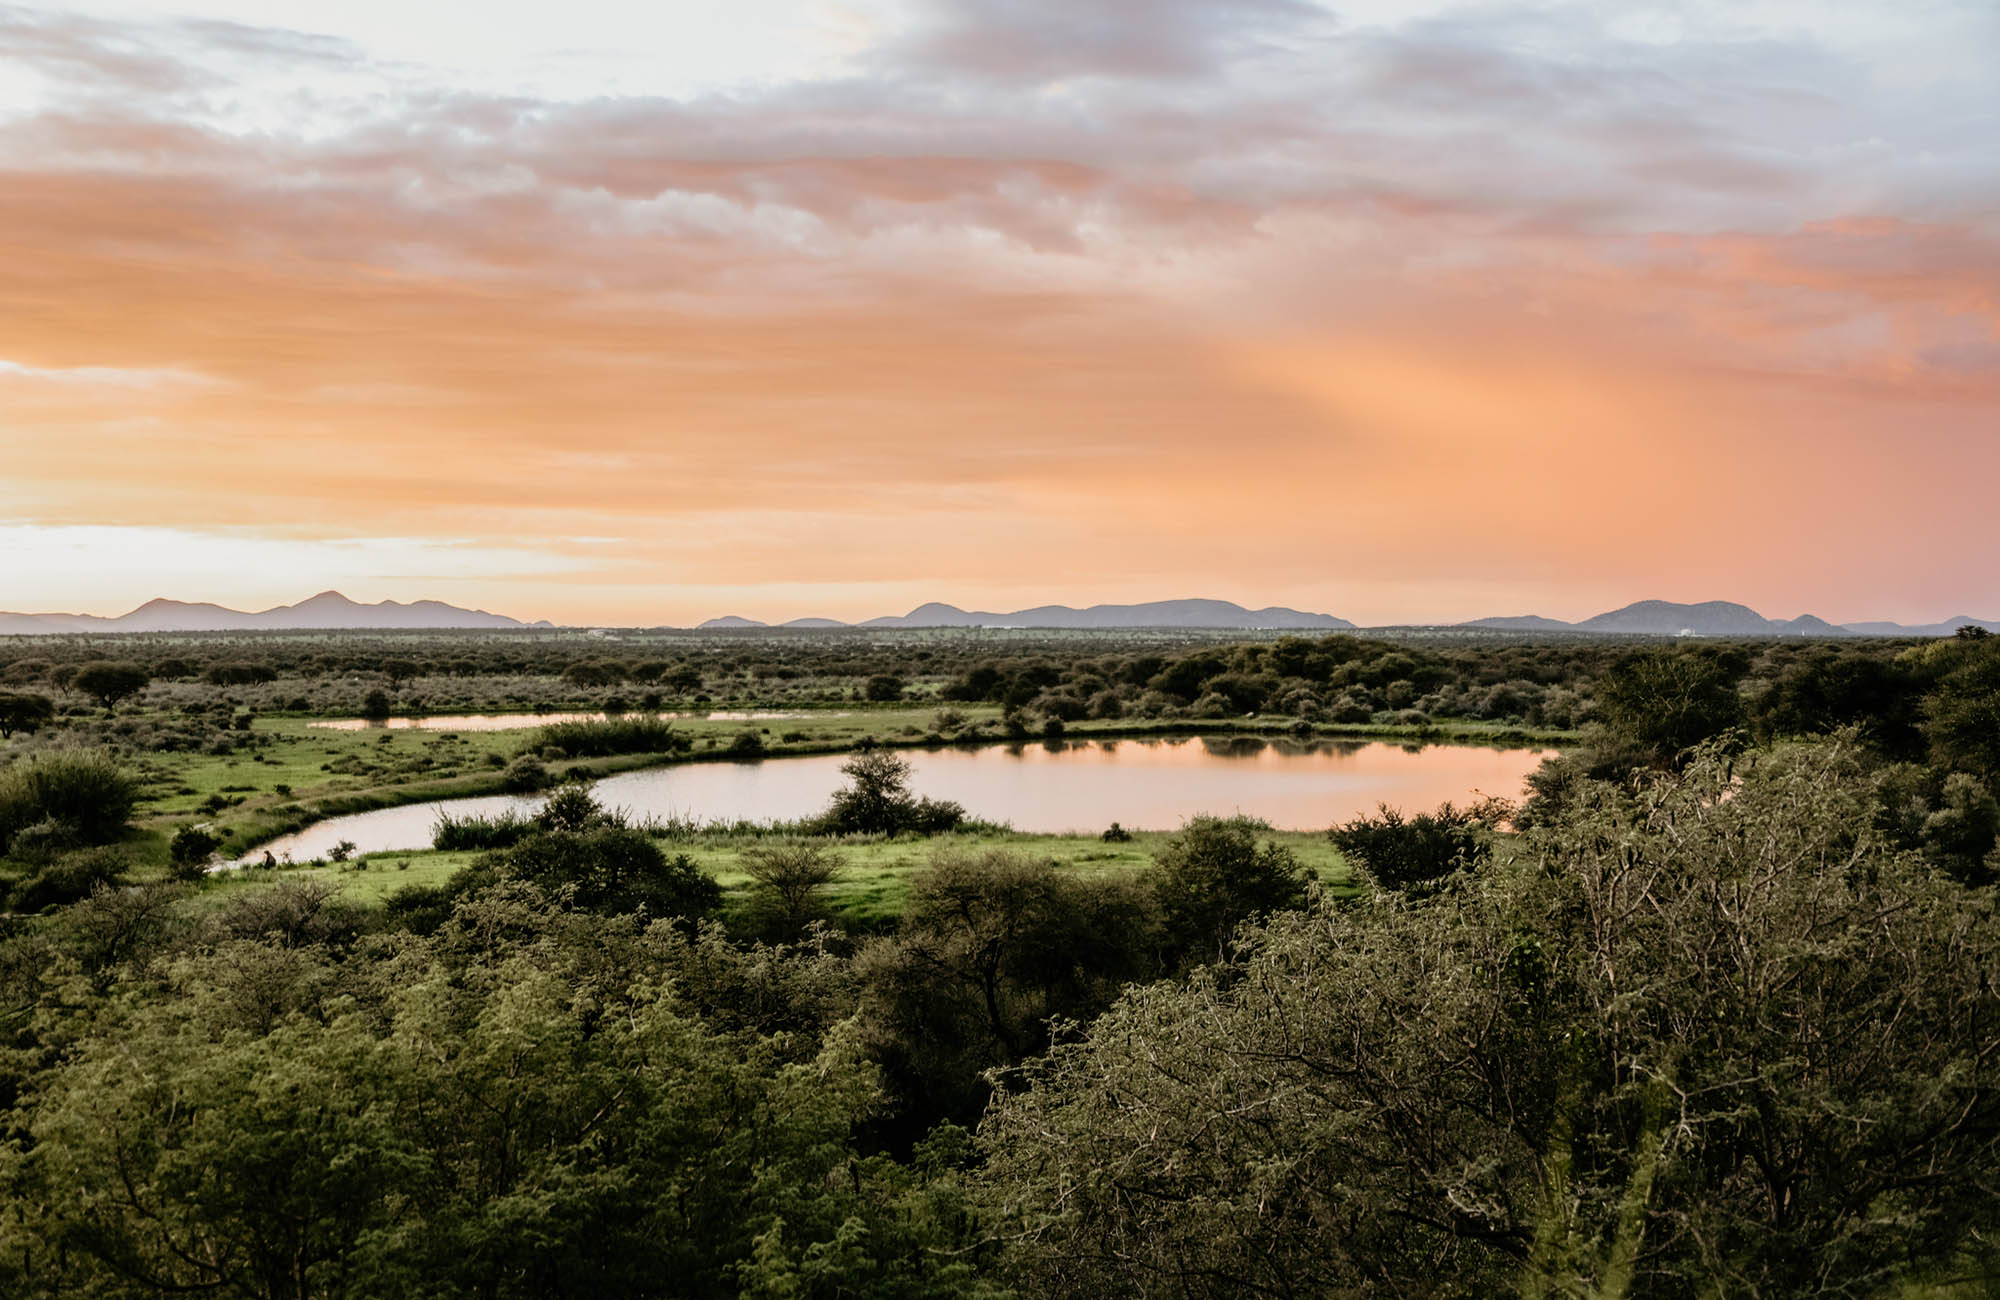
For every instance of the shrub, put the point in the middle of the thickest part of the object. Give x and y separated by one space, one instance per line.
1213 876
82 792
879 801
612 868
612 736
525 775
70 878
574 809
792 876
1411 852
189 851
935 816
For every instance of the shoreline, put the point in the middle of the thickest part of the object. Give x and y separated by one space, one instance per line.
264 826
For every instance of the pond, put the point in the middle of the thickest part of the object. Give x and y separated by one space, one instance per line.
1150 784
522 721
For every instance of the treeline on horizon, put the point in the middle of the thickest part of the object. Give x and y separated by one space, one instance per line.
1336 678
1713 1011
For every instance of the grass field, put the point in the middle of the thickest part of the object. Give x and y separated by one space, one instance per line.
869 893
290 773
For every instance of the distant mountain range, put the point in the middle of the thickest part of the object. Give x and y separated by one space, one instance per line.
331 611
328 611
1644 618
1721 618
1158 613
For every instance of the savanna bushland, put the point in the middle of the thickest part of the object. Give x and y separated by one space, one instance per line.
1711 1011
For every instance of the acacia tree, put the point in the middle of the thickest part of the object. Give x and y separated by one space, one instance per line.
1709 1038
109 682
793 876
24 712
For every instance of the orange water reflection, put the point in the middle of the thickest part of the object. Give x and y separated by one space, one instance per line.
1141 784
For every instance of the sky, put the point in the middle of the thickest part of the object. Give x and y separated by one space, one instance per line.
609 313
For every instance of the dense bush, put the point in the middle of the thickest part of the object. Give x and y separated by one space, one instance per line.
1704 1038
1402 852
1214 875
525 775
611 868
68 878
877 801
612 736
190 850
66 797
236 674
24 712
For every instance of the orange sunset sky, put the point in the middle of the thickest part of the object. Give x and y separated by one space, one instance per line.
1400 312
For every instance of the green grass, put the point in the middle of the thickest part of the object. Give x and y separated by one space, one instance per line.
331 773
300 773
869 894
327 772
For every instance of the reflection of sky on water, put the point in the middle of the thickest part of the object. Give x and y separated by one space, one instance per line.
1148 783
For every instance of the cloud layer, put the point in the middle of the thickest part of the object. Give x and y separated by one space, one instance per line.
1391 317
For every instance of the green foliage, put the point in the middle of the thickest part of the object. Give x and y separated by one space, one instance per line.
1844 687
66 796
238 674
792 877
612 736
108 682
476 831
1711 1034
991 947
189 851
533 1121
1962 712
1214 875
878 801
574 809
1950 817
24 712
525 775
612 869
1663 703
376 704
1402 852
69 878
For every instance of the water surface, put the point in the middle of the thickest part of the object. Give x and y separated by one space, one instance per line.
1150 784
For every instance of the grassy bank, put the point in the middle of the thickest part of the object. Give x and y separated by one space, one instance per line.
869 893
291 773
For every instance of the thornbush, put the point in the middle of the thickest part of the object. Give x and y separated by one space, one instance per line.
82 794
1405 852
